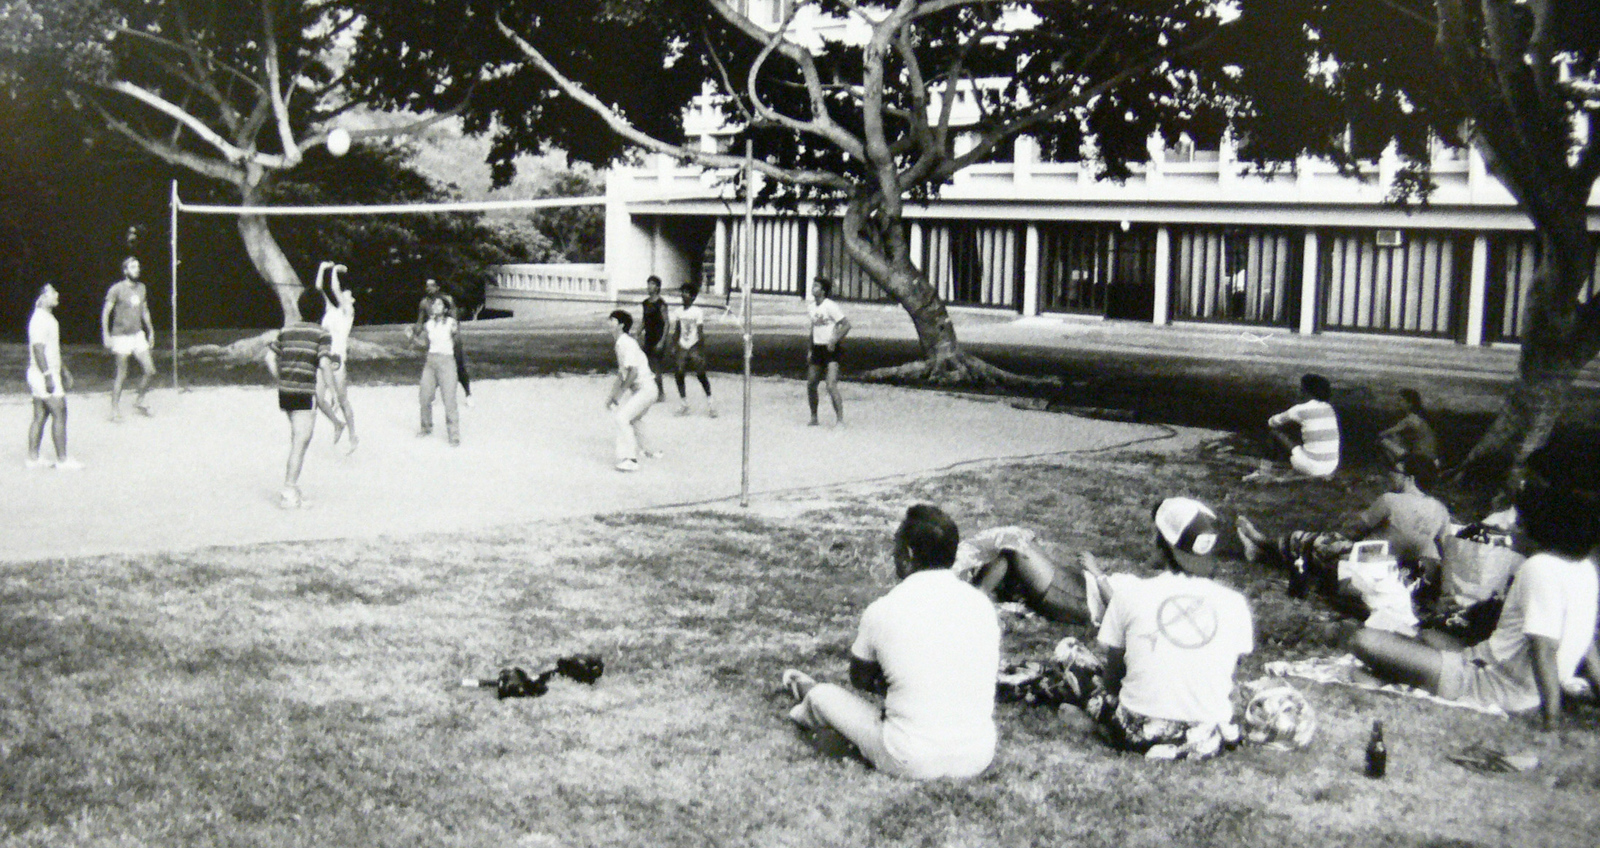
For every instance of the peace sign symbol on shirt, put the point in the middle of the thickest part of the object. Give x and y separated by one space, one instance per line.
1187 621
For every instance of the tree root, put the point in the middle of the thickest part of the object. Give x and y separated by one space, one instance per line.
254 349
962 369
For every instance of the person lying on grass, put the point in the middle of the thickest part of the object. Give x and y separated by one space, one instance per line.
930 648
1009 565
1308 431
1172 643
1546 631
1413 522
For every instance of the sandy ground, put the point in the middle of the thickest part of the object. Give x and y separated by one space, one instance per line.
207 468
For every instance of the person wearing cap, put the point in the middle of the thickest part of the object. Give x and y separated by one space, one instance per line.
1172 643
930 647
1546 632
1407 517
1309 431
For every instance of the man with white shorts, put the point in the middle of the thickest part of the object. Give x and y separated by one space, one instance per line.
632 395
126 330
47 381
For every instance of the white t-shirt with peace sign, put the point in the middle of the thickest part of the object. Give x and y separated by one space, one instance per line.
1182 637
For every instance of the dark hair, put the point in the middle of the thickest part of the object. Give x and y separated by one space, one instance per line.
827 285
622 317
1317 386
1413 400
690 290
930 537
1558 505
1421 468
311 304
39 292
652 279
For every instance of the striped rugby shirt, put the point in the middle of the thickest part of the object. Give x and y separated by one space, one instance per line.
299 348
1319 429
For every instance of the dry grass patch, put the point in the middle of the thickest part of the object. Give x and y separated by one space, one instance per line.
305 694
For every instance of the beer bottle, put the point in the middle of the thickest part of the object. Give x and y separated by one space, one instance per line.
1377 754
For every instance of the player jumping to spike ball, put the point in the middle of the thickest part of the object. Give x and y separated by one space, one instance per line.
338 317
48 378
126 330
828 329
689 337
632 395
302 349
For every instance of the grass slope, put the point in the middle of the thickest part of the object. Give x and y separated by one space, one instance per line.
304 695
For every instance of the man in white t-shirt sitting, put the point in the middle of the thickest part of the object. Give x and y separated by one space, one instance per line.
930 647
1546 632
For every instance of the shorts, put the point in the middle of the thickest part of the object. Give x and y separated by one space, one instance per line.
690 359
130 345
1311 467
296 401
37 387
821 355
1472 678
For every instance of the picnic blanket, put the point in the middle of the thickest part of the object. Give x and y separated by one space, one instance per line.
1346 670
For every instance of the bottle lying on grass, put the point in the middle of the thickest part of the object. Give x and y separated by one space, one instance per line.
513 682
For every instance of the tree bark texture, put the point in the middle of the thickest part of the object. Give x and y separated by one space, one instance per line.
265 254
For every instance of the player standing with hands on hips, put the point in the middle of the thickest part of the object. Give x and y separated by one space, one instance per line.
828 329
632 394
126 330
47 382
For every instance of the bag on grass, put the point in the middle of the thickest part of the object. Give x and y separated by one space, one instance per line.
1477 565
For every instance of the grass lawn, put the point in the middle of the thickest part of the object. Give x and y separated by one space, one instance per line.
290 694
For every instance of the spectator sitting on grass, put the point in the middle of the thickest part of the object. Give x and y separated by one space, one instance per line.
1411 434
1413 522
930 647
1546 630
1009 565
1309 431
1172 643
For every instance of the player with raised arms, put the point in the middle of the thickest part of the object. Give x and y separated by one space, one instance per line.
338 317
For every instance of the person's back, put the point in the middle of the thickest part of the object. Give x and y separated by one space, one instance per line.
1551 596
1183 636
938 641
299 347
1412 523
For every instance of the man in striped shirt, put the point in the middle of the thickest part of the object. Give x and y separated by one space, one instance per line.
302 348
1309 430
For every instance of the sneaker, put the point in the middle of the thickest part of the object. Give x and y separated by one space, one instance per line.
711 411
797 682
425 432
683 409
289 498
467 402
653 454
1250 538
628 465
68 464
37 462
143 410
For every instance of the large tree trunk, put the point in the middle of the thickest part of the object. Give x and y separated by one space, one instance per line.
1559 339
878 246
265 254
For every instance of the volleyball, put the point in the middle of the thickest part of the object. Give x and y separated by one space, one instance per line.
338 141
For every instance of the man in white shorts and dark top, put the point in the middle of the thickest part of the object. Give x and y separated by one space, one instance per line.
930 647
632 395
301 350
1172 643
1546 632
1410 521
47 376
1309 431
126 330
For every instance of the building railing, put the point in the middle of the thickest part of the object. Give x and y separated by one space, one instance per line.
575 281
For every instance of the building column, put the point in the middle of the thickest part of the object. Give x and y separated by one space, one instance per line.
719 254
1030 269
1163 276
655 245
1477 290
914 245
1310 262
813 256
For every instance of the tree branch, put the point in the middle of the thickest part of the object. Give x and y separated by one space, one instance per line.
171 110
169 153
623 127
821 124
280 109
727 82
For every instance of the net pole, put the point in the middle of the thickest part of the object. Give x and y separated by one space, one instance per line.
172 231
749 261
